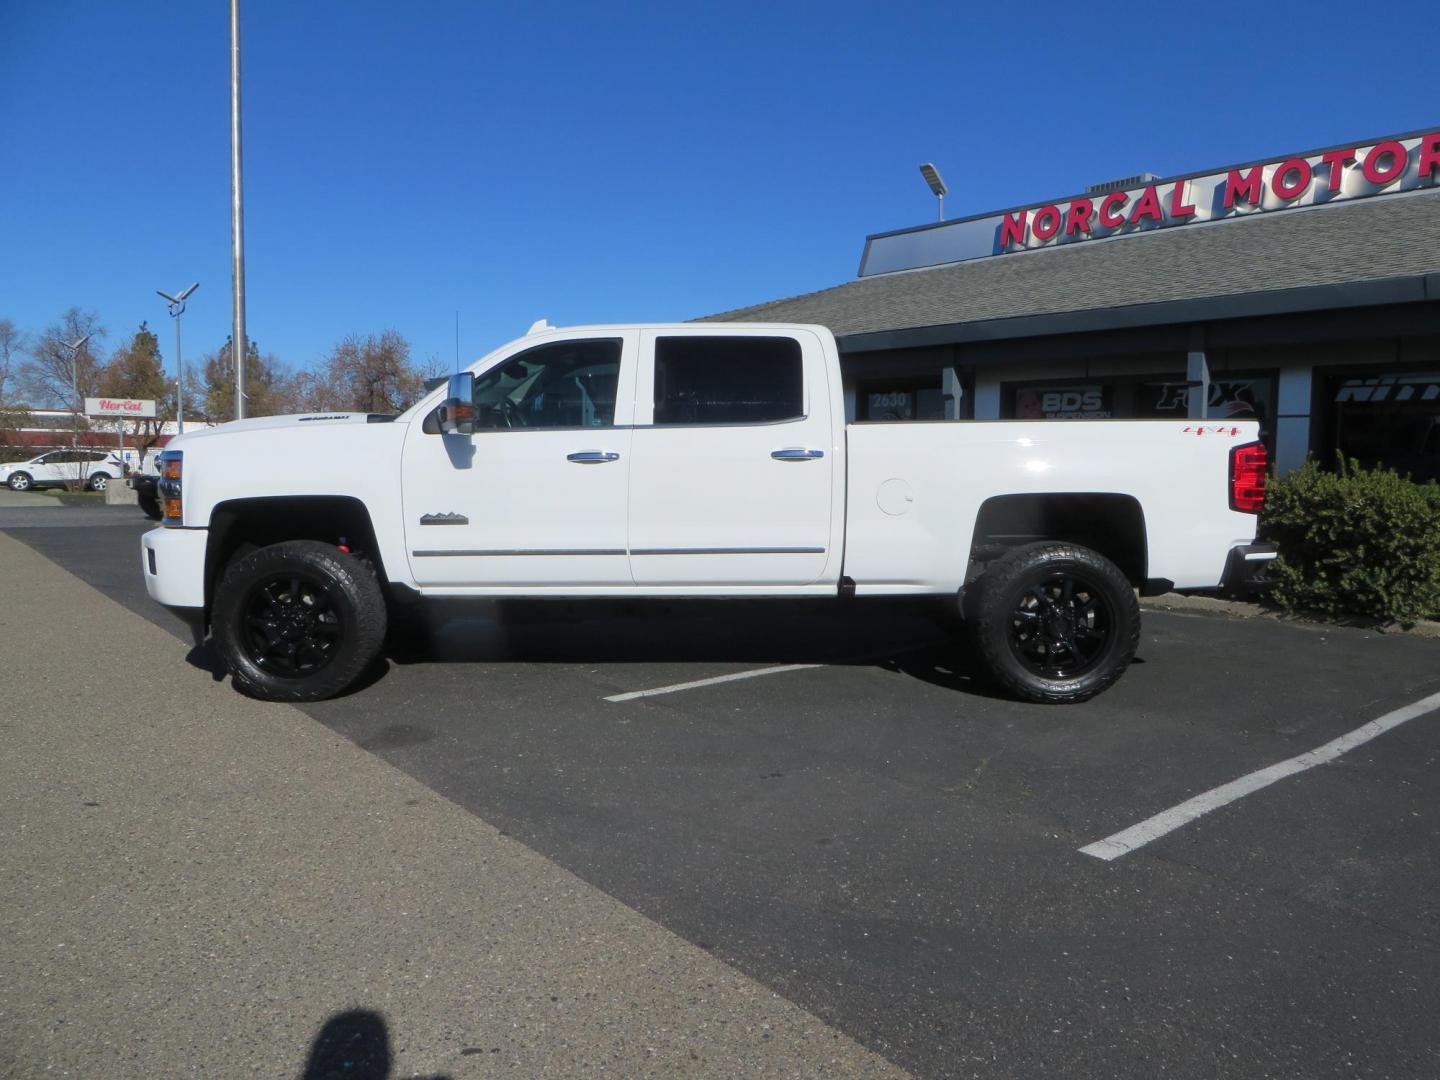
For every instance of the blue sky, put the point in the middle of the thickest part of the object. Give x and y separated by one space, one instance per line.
596 163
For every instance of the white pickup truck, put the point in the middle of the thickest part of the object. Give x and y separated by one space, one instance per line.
692 460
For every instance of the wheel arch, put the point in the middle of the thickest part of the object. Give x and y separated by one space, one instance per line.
244 524
1109 523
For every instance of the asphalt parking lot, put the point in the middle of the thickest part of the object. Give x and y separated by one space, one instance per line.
866 829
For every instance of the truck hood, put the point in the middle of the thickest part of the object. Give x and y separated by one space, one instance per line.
296 420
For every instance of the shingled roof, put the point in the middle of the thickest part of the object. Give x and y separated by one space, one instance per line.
1296 260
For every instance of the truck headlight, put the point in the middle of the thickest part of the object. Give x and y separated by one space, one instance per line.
172 464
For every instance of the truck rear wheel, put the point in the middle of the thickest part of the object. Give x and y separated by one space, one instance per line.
298 621
1054 623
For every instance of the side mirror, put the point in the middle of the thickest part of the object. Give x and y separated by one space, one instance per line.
457 412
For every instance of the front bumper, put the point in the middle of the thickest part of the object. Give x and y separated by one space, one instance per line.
173 562
1247 568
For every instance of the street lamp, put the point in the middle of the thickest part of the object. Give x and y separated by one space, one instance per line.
936 185
237 217
75 347
176 306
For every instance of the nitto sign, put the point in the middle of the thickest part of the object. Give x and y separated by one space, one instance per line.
1387 166
1352 172
1386 388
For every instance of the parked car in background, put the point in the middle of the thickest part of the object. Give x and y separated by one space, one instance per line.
93 468
144 482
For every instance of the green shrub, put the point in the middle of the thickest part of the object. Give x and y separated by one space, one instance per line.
1357 543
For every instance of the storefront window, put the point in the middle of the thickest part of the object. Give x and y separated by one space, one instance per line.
1392 420
900 401
1063 401
1232 397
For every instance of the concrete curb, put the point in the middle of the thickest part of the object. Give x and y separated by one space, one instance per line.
1241 609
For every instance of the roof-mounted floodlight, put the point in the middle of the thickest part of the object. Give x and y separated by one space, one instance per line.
932 177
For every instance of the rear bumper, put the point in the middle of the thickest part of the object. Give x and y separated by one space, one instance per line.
1246 570
173 562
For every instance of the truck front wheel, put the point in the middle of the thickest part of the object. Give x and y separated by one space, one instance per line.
1054 623
298 621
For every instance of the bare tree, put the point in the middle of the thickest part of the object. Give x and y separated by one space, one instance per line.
59 376
309 392
373 373
13 343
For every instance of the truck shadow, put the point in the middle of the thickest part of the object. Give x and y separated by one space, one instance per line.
910 638
918 640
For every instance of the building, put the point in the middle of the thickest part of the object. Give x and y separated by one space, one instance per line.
1303 290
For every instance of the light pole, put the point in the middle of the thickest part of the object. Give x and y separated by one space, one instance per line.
75 347
176 306
936 185
237 217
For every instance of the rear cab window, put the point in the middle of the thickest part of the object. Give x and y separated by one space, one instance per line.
728 380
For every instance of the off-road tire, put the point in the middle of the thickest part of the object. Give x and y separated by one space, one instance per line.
149 505
20 481
350 592
1025 578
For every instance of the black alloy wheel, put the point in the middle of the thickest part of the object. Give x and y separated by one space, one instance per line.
293 627
1054 623
1060 627
298 621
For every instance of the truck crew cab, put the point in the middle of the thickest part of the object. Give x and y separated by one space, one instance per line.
691 460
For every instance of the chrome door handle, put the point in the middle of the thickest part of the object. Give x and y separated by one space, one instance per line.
795 454
592 457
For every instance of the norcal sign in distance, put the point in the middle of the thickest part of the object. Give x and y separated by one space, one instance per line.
1350 172
135 408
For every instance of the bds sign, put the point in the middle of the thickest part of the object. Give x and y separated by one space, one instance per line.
135 408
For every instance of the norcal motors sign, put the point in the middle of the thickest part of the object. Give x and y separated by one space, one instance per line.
1351 172
1384 167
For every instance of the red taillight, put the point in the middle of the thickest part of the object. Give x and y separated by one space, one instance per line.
1248 466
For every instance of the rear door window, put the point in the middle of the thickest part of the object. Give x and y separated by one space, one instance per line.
728 380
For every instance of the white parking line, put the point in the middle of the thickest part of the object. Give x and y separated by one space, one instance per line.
1167 821
753 674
